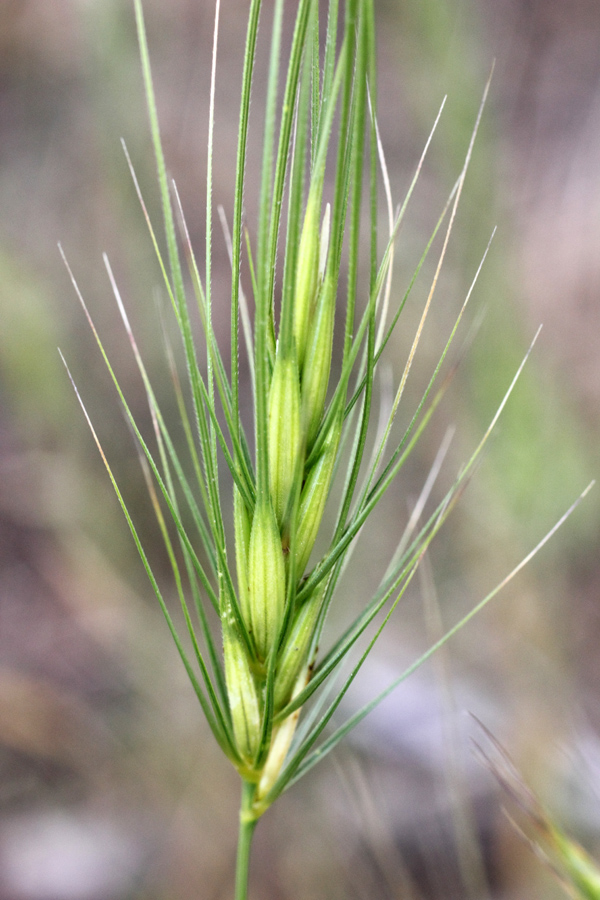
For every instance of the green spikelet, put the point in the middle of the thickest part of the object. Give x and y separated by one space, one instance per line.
241 522
314 497
266 579
285 437
294 655
307 275
317 363
242 691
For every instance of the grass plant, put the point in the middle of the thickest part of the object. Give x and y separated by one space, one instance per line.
313 262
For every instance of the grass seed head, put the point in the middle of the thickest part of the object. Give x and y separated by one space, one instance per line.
280 495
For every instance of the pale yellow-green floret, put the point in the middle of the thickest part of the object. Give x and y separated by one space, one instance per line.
241 521
294 655
242 692
313 499
285 435
307 274
266 579
317 362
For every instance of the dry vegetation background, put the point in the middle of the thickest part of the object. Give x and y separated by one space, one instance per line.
110 787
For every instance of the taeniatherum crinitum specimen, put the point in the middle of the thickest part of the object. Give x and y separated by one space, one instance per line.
260 681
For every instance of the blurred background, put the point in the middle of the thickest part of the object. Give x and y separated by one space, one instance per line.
110 786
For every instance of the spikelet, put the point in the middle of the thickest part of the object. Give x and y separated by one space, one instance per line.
314 496
307 274
283 736
241 521
242 691
266 580
285 436
294 654
317 363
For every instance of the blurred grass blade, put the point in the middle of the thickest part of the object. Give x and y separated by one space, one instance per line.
574 868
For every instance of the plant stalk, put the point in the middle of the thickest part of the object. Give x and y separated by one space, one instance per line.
246 832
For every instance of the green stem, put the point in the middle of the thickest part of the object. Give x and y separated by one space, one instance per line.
247 826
